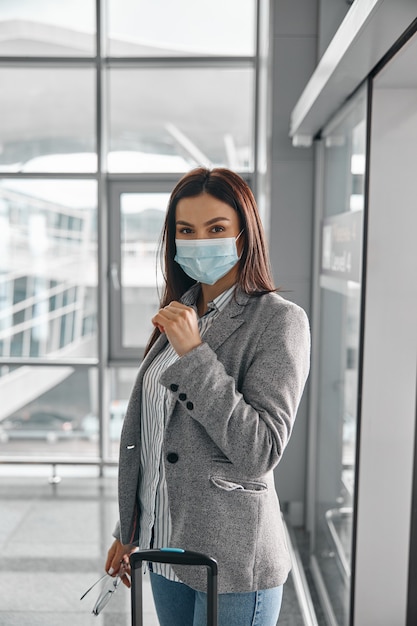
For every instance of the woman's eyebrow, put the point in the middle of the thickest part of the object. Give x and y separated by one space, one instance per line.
216 219
212 221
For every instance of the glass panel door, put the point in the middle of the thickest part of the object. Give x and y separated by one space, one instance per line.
137 218
340 310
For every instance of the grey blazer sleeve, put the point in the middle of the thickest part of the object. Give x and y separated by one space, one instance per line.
116 532
249 421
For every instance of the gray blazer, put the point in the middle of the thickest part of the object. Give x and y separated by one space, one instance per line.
236 396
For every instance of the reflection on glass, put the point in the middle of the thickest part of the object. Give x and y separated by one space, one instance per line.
142 216
47 120
171 120
223 28
48 268
45 410
338 391
47 28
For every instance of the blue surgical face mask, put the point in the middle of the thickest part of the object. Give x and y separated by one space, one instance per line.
207 260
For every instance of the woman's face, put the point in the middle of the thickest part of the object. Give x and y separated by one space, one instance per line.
206 217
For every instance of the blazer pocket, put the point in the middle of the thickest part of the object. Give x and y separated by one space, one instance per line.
220 459
225 484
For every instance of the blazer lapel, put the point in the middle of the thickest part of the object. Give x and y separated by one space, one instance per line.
227 322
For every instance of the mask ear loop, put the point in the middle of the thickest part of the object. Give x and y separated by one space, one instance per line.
236 238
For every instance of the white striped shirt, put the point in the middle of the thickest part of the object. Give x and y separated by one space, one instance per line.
155 520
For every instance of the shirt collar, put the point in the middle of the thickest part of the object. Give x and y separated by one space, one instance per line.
218 304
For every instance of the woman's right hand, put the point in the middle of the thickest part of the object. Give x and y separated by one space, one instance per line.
118 561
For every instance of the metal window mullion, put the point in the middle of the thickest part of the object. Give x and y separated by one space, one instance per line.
46 62
256 101
48 362
180 62
50 175
102 242
313 390
115 304
56 61
146 182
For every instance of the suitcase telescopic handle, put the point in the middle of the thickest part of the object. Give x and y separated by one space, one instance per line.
174 556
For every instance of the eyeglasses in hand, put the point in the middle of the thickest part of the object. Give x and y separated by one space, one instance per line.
107 593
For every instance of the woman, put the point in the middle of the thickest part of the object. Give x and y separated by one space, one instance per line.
212 410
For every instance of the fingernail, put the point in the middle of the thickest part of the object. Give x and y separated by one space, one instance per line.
111 571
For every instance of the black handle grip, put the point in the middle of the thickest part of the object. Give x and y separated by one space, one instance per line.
172 556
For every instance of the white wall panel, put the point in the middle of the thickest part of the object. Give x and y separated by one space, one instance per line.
296 18
290 232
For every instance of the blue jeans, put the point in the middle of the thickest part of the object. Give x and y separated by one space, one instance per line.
179 605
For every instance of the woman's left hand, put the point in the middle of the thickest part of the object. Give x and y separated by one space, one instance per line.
179 323
118 561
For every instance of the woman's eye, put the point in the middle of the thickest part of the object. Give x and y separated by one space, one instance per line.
217 229
184 231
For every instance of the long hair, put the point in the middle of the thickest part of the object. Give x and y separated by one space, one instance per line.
254 275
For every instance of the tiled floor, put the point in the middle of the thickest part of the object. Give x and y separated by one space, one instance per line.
53 541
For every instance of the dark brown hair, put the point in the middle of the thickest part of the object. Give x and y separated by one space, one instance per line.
254 270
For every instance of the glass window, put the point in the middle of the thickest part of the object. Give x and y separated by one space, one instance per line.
47 28
47 120
220 28
48 270
340 306
170 120
46 410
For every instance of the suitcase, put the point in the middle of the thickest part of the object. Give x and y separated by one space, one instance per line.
172 556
